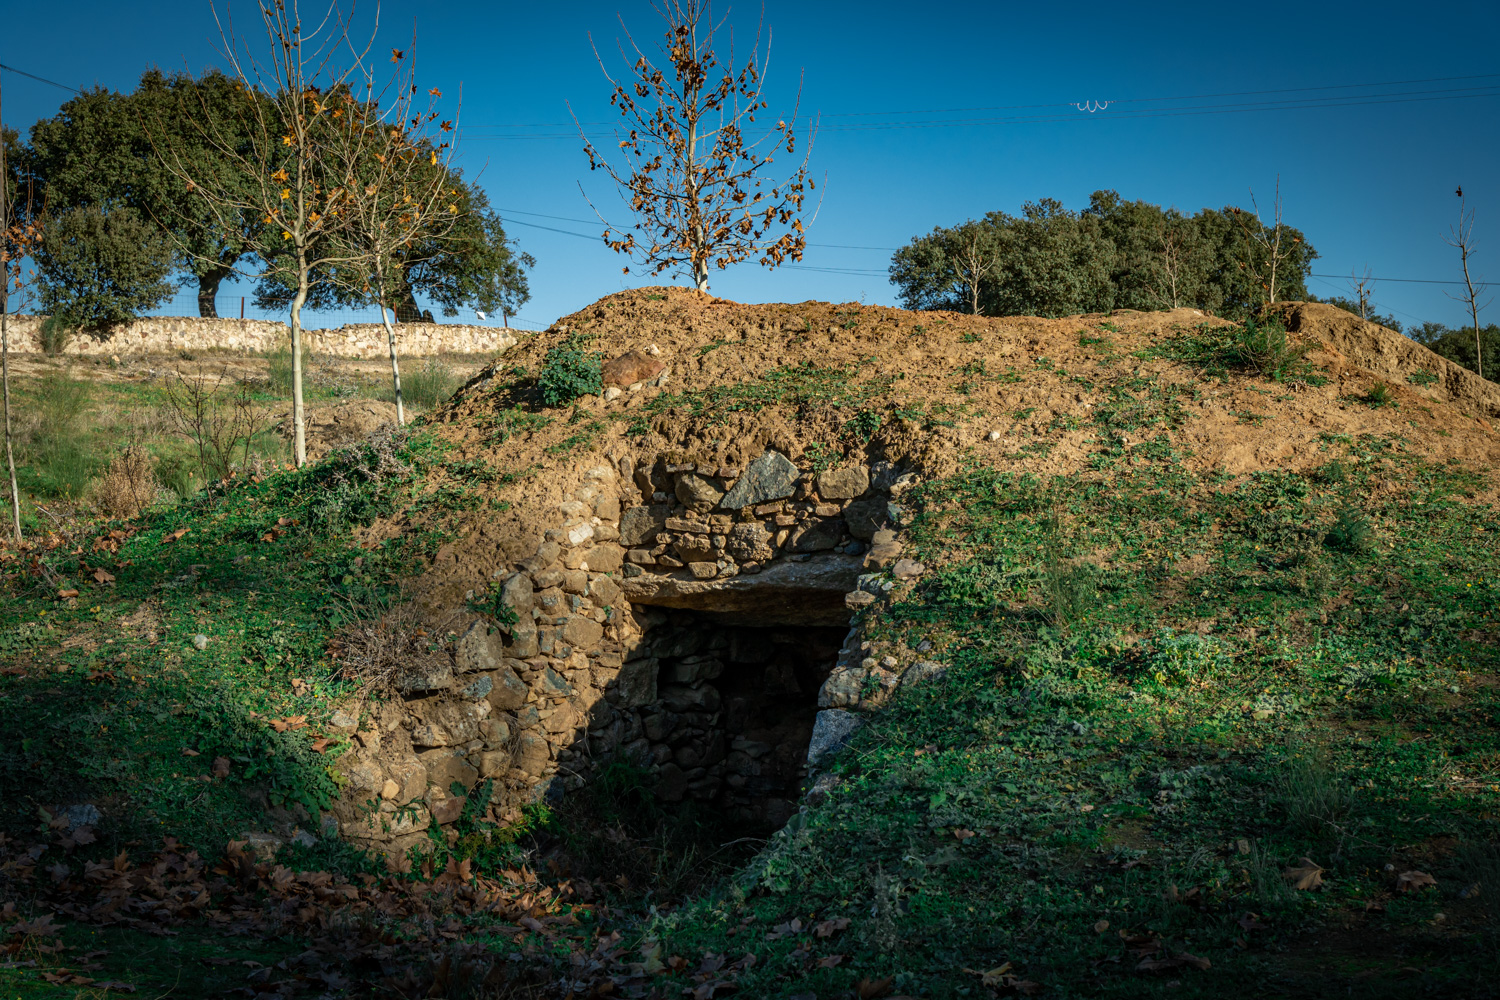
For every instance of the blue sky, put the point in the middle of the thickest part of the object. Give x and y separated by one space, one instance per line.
1368 174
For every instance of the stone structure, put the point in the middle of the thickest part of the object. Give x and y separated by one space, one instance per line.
169 334
692 619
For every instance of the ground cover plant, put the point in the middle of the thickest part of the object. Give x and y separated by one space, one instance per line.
1206 718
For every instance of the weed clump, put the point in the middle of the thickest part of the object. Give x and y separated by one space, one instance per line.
1264 348
570 371
1351 532
129 486
430 384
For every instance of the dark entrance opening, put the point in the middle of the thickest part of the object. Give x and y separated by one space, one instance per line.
735 712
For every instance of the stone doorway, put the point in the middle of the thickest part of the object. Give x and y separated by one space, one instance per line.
732 715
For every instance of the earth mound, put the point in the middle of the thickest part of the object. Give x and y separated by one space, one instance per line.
669 567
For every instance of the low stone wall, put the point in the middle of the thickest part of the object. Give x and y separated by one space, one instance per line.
693 620
170 334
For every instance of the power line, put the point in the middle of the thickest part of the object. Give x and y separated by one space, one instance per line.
1027 107
589 222
41 79
1301 103
1412 281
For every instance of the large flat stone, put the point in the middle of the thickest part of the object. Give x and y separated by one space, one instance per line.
772 476
787 593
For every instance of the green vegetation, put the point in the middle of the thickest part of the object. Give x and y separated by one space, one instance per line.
1114 254
97 268
1262 348
427 384
800 388
570 371
1124 757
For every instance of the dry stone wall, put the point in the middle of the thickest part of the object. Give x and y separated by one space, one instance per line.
169 334
691 620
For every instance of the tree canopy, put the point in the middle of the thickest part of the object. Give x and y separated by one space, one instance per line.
1114 254
104 149
474 266
99 267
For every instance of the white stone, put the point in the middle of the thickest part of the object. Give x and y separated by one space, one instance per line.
994 435
579 534
611 394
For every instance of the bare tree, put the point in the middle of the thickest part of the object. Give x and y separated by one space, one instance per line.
973 258
400 205
284 149
218 423
1462 238
691 176
20 233
1169 247
1274 243
1362 286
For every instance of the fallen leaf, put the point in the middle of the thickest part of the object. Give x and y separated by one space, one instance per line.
830 927
1307 876
186 752
172 536
962 834
1101 927
65 594
220 767
995 976
869 989
830 961
1413 880
101 575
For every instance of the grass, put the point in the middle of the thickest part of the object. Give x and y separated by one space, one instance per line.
1170 699
71 429
1260 348
1109 767
427 384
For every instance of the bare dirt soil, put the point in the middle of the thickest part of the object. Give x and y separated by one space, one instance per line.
934 390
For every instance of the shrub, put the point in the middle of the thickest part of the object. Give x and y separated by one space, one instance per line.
1263 347
1380 395
569 371
1351 531
1266 349
54 335
129 486
102 267
430 384
53 442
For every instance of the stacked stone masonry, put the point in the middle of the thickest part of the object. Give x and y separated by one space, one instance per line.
690 619
170 334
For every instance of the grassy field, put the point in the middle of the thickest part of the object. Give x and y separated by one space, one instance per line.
74 419
1199 735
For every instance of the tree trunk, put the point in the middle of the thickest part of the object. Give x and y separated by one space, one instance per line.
10 458
208 291
406 309
299 424
700 275
390 339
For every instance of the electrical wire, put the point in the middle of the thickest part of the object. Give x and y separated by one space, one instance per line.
1027 107
476 132
41 79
